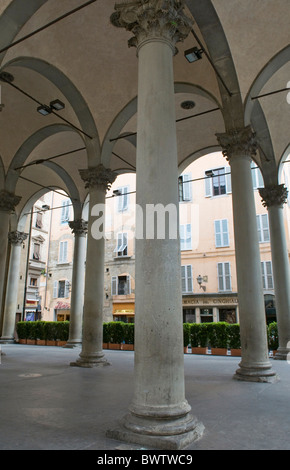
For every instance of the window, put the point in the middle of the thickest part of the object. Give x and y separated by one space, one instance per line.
186 279
62 255
184 187
221 233
185 237
206 315
263 228
61 289
123 199
224 277
36 251
121 285
65 211
122 245
33 281
257 177
267 275
38 220
218 183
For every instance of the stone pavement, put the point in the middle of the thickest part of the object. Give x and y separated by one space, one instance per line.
45 404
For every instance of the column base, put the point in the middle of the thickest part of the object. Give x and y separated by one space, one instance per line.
170 434
90 360
73 344
7 340
282 354
256 373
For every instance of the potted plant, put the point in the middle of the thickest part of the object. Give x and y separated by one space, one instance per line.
128 335
198 338
234 339
186 336
31 333
116 334
218 338
62 332
273 338
21 332
50 333
106 336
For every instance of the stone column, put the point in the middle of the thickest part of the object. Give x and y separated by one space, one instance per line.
98 180
8 202
159 414
239 146
16 240
79 229
273 198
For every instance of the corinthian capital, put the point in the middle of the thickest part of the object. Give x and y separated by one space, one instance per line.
148 19
17 238
99 177
79 226
275 195
8 201
238 142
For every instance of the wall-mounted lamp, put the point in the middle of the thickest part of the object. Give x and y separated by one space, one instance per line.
200 280
117 192
55 105
209 173
45 207
193 54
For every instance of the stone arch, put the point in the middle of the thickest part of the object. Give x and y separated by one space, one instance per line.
27 147
73 96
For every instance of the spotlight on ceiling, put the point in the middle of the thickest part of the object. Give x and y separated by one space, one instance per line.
55 105
192 55
44 110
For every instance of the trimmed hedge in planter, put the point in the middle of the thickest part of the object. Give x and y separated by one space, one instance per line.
36 331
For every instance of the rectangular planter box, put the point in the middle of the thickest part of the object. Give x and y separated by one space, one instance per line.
31 341
105 346
114 346
199 350
40 342
219 351
60 343
22 341
236 352
127 347
50 342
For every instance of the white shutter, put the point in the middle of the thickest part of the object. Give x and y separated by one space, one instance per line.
128 285
66 289
183 279
228 180
265 227
259 228
263 275
188 236
225 232
208 186
218 235
55 289
270 283
227 274
220 277
114 285
186 187
182 237
189 278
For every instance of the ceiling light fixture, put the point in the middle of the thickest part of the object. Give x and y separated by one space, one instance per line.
193 54
55 105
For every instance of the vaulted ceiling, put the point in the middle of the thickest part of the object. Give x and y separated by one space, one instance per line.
70 51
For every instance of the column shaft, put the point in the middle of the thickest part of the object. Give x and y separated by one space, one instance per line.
78 282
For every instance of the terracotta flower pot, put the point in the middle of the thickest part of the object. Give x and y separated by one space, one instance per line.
105 346
199 350
31 341
50 342
22 341
40 342
219 351
236 352
114 346
60 343
127 347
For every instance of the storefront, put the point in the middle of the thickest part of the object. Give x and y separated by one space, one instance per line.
124 312
210 308
62 311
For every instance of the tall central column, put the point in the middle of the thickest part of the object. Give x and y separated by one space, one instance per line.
238 147
273 198
98 180
16 240
159 413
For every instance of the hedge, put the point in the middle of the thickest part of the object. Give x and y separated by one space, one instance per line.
214 334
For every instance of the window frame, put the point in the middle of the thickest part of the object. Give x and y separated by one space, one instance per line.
224 276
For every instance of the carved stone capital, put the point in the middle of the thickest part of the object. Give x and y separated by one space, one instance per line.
147 19
99 177
238 142
17 238
79 226
8 201
275 195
